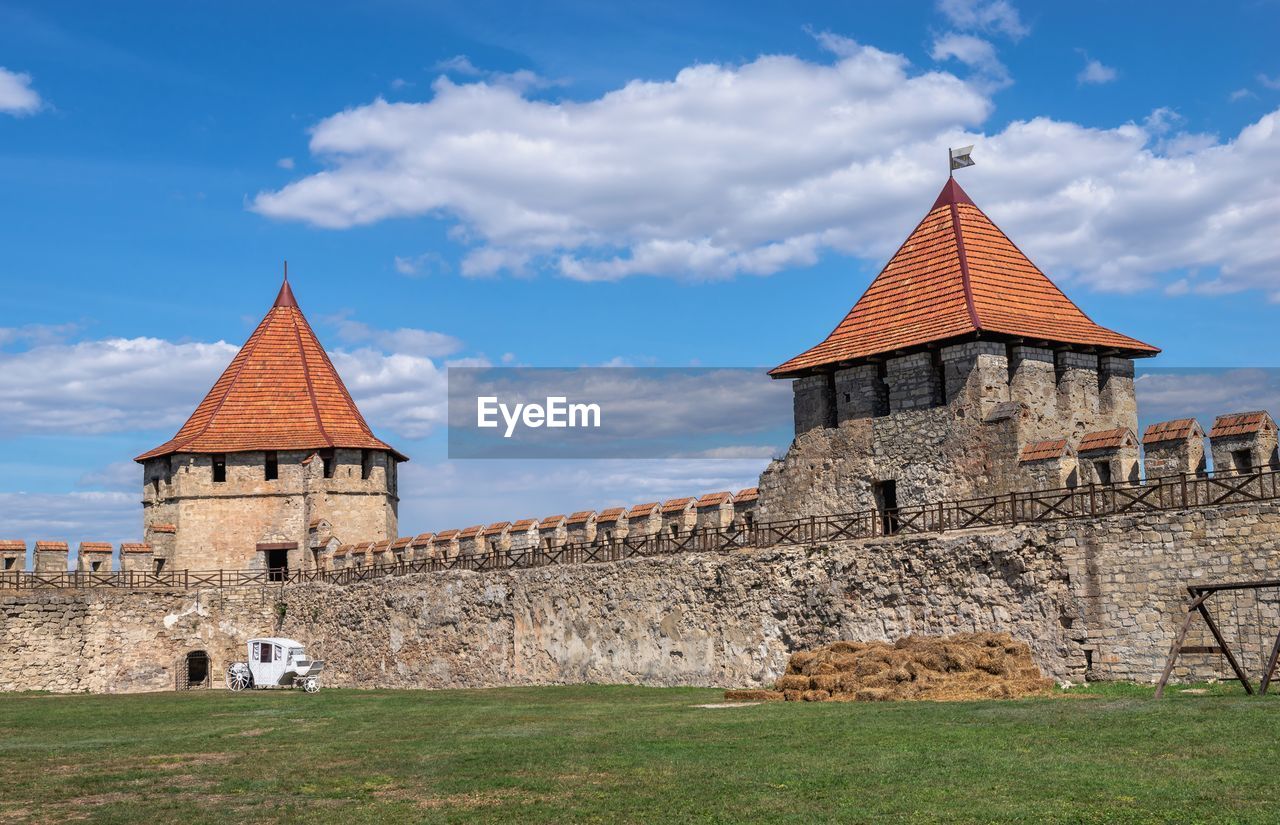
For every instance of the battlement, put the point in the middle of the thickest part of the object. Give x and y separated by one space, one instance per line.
971 379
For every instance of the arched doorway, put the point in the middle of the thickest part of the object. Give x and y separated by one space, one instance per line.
194 671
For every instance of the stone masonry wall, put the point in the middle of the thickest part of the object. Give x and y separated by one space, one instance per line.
198 524
1103 594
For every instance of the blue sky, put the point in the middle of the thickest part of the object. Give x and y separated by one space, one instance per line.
580 184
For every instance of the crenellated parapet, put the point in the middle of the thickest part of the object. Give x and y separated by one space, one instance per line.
1244 441
51 556
13 555
714 510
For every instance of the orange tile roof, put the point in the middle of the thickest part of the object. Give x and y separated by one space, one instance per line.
1040 450
471 532
12 544
749 494
551 521
54 546
524 524
676 504
1175 430
280 392
342 551
611 514
714 499
95 547
497 528
1240 424
1105 440
381 545
134 547
422 538
955 276
643 509
445 536
164 528
400 544
581 517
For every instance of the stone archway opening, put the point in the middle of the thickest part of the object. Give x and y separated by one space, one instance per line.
194 671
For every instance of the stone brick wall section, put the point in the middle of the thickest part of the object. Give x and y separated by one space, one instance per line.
1102 594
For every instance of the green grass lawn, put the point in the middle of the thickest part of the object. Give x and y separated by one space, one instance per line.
608 754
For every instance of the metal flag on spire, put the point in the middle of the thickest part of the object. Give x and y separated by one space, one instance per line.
960 158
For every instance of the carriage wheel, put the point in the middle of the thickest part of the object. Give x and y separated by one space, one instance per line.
237 679
311 685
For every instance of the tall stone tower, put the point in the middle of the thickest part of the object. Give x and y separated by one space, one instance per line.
955 375
276 450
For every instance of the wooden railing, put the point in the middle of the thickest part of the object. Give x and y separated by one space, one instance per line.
1176 492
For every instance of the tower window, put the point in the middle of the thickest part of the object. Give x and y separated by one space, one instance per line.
366 464
1243 460
219 468
271 466
326 458
1102 471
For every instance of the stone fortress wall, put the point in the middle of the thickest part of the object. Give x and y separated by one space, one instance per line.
1236 442
1092 596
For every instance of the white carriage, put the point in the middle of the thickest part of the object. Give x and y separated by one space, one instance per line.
275 662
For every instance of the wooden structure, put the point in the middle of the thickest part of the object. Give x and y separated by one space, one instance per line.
1174 492
1201 594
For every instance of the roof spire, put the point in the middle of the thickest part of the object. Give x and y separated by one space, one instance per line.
280 392
285 298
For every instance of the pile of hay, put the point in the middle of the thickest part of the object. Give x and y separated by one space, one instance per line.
939 668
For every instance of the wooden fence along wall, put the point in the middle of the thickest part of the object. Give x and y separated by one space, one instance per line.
1177 492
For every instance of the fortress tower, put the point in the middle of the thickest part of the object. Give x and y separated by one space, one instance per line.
959 354
276 453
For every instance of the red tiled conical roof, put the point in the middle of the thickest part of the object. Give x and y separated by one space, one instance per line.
957 275
280 392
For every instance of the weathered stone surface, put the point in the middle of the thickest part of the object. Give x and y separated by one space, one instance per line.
195 523
1106 591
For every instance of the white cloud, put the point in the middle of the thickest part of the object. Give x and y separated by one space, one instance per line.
405 340
1206 393
459 64
721 171
36 334
111 385
998 16
427 263
1241 94
1269 82
71 517
144 384
399 394
520 80
16 95
726 171
119 476
285 163
977 54
1095 73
